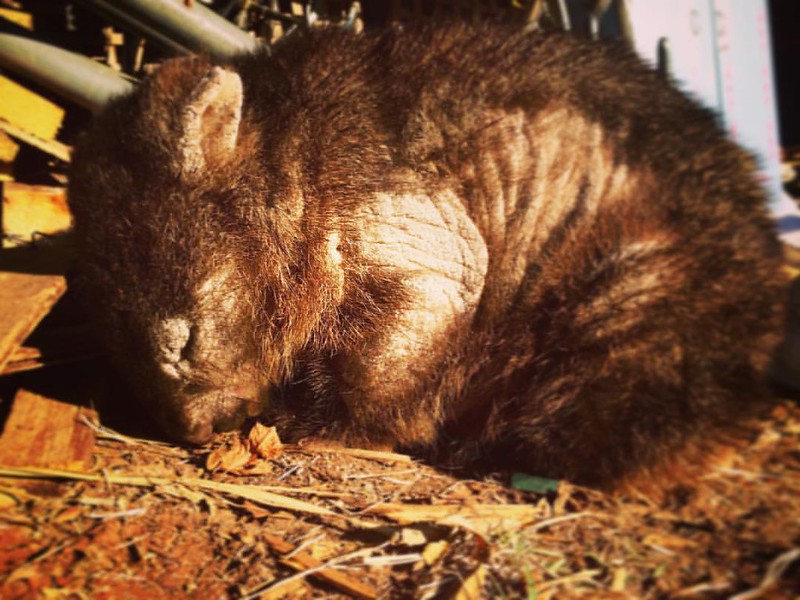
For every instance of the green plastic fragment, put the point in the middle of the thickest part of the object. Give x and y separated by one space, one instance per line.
530 483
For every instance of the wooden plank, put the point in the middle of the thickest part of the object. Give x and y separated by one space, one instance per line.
29 111
8 148
18 17
31 209
51 147
25 300
41 432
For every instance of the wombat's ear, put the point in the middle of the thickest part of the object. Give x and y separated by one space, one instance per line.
210 120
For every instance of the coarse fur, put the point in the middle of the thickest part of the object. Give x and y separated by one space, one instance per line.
465 240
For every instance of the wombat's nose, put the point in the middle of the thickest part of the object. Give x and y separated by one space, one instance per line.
173 335
199 427
173 338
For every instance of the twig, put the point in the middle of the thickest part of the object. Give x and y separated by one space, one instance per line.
103 432
587 575
122 514
556 520
378 455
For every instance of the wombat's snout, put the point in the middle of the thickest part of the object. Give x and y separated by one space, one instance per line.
195 418
203 391
173 336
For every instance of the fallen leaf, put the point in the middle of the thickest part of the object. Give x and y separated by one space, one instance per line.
229 457
264 441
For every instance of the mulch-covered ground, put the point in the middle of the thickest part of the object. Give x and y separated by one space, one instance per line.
150 520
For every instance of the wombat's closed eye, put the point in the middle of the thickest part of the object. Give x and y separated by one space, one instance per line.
526 249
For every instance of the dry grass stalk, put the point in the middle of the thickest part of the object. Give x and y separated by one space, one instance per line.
252 493
379 455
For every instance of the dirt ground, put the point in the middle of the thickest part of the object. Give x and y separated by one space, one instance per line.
152 520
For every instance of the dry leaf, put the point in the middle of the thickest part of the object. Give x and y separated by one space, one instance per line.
229 457
264 441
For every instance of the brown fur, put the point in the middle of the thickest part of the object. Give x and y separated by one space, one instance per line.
629 280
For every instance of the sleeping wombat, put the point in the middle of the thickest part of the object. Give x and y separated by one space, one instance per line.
528 248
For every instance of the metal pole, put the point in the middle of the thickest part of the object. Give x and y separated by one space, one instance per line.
75 77
178 27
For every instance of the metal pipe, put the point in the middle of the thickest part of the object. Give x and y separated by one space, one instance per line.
176 26
72 76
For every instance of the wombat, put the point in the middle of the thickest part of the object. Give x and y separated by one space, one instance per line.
467 241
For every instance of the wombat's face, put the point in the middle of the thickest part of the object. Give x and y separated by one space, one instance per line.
180 248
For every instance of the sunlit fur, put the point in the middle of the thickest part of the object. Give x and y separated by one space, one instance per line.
523 251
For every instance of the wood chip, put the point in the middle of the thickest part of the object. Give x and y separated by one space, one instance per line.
472 587
434 552
25 299
41 432
304 560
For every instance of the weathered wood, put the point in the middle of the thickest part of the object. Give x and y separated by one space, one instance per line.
41 432
25 299
8 150
31 209
52 147
29 111
18 17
